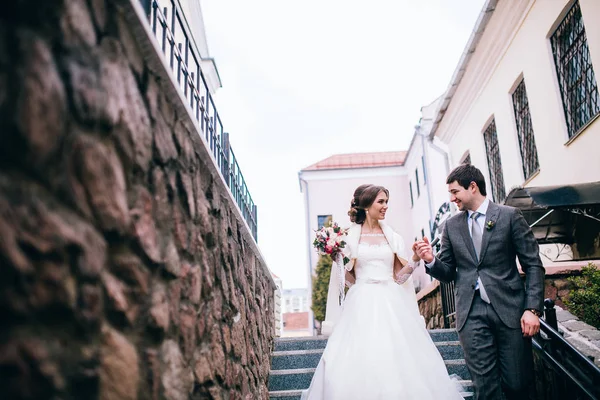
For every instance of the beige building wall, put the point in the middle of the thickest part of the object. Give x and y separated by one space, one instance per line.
514 45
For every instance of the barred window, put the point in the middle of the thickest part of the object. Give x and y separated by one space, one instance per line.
577 81
424 170
529 155
494 164
417 182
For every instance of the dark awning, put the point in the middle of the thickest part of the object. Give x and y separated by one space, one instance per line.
583 194
552 211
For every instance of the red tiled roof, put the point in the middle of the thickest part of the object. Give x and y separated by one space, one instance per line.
295 321
360 160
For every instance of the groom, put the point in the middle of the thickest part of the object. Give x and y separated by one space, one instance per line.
496 313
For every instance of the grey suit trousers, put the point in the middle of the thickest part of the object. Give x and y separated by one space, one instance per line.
499 359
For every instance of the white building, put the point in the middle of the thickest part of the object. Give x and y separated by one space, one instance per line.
295 300
295 308
523 107
278 304
523 102
427 166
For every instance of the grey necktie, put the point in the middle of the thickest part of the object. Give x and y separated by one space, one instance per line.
476 233
476 236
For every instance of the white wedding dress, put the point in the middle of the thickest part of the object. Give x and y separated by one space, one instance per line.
380 348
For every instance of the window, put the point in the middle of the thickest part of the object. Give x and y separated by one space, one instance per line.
295 304
424 173
576 77
494 164
417 182
529 156
323 220
412 200
422 233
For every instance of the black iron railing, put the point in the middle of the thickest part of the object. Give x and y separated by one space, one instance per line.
448 304
565 373
181 53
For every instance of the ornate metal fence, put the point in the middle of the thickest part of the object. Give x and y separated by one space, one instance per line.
179 49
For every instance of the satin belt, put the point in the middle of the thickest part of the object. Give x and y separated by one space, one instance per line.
378 281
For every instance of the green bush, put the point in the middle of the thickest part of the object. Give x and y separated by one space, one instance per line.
584 297
320 285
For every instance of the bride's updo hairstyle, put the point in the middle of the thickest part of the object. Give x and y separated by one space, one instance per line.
364 197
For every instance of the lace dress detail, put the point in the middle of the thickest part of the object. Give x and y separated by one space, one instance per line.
380 348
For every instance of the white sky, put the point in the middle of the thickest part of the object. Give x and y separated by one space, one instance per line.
303 80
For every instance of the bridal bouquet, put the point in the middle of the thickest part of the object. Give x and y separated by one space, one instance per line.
329 240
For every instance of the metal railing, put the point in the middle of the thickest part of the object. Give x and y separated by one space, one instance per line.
179 49
448 304
567 373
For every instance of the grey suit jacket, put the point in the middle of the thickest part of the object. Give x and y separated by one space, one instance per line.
509 237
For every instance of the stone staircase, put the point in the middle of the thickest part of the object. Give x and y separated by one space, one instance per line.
294 361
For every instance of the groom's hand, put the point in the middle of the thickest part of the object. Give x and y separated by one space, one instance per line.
530 324
424 250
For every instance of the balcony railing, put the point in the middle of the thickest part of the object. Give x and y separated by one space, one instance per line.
181 53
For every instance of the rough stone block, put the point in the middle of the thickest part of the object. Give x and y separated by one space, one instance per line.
119 371
576 326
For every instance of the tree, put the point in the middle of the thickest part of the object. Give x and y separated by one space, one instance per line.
320 285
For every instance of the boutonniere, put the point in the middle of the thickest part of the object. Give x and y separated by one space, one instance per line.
489 225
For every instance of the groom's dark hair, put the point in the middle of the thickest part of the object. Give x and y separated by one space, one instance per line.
465 174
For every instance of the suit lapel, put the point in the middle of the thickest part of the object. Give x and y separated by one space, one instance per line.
464 231
491 215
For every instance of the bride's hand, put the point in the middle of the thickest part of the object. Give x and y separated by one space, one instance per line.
415 256
424 250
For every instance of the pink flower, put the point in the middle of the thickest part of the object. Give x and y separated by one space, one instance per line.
328 249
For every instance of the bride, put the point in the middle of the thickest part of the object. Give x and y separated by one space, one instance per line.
380 348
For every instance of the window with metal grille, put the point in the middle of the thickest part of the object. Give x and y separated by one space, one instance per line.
323 220
417 181
529 155
467 159
577 81
412 200
494 164
424 170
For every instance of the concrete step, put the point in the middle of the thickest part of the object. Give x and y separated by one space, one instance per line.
302 343
297 359
299 378
296 394
319 342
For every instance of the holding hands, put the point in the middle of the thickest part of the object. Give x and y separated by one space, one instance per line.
422 250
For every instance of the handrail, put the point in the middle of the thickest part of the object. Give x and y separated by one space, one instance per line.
181 53
580 373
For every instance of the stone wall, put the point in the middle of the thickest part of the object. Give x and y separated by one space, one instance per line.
126 270
430 306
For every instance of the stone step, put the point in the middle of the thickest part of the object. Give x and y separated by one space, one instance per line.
298 379
296 394
302 343
297 359
319 342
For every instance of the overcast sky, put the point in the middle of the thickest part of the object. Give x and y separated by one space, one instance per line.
303 80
